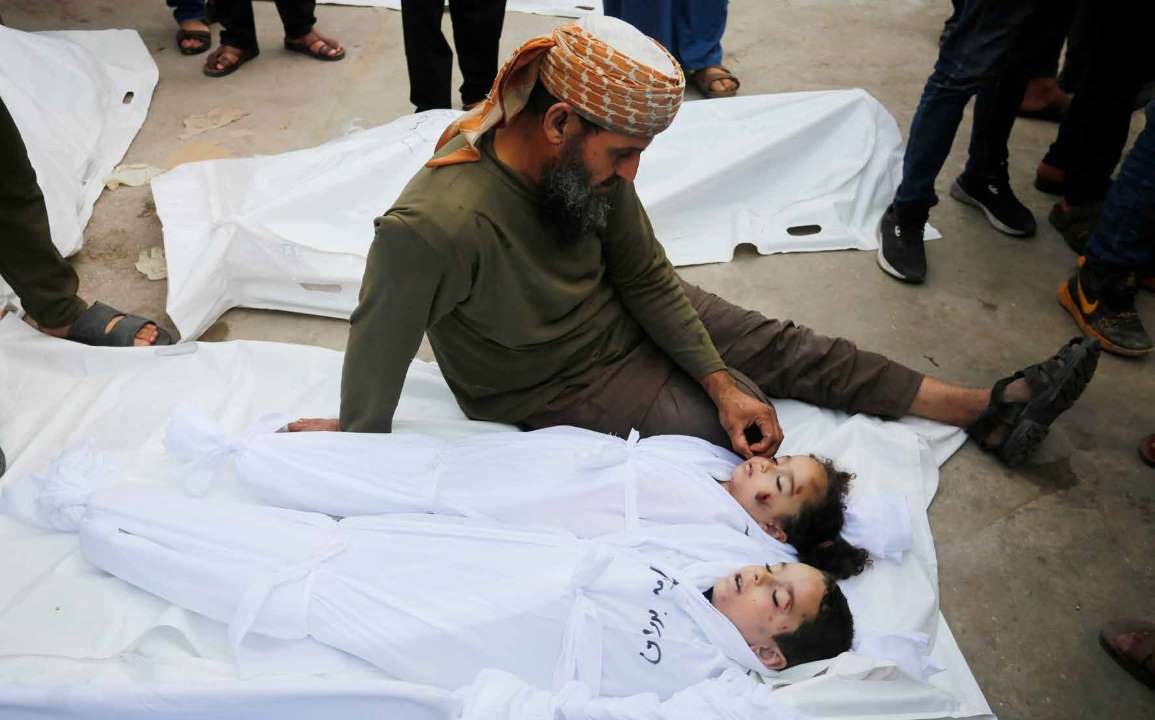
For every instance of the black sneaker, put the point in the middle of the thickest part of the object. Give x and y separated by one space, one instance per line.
900 247
1105 310
994 197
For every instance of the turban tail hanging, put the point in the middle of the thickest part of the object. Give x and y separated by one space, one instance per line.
605 86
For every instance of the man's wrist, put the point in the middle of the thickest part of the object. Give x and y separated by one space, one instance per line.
718 384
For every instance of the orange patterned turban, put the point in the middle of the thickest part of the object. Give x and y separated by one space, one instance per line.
611 73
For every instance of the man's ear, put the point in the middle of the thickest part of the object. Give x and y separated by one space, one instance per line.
774 529
555 122
770 655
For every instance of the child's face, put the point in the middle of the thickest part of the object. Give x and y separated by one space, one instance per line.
775 490
767 600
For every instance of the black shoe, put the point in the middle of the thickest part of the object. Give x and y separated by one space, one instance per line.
901 253
1105 310
994 197
1076 224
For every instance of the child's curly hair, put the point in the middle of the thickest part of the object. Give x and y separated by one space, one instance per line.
817 531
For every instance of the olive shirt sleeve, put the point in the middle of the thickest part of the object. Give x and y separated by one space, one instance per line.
408 286
649 288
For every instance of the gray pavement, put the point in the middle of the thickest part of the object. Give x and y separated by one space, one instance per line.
1032 561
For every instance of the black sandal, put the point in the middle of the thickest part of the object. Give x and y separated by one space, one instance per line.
1055 385
89 328
204 36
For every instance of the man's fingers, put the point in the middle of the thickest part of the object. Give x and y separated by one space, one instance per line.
740 443
771 434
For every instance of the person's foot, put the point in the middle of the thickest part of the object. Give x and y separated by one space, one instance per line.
1023 406
1050 179
1104 308
317 46
994 197
901 253
1044 100
147 334
1131 643
226 59
715 81
194 37
1076 223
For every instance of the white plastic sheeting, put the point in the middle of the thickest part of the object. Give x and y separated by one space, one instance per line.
560 8
788 173
79 98
77 643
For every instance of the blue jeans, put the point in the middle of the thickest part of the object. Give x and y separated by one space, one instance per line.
1124 239
187 9
690 29
971 61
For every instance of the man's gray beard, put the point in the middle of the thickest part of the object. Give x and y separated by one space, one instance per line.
568 199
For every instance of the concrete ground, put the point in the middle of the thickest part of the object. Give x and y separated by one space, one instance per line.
1032 561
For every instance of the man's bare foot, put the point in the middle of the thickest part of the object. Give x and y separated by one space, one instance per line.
147 335
315 425
316 45
194 44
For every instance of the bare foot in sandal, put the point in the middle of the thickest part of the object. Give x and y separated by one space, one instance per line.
715 81
98 326
226 59
316 45
194 37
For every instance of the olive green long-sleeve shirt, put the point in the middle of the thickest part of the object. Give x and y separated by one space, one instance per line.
515 314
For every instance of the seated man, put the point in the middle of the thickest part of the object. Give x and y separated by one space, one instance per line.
436 600
523 251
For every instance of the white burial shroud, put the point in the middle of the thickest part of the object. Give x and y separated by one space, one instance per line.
568 478
75 642
787 173
78 98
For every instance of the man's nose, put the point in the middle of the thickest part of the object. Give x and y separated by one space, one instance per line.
627 169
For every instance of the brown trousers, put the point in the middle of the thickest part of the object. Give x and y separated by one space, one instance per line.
769 358
44 281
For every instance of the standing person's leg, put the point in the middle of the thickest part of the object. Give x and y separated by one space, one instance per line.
298 20
1100 296
193 35
428 56
972 53
1009 419
238 38
985 182
698 27
477 34
1044 99
29 262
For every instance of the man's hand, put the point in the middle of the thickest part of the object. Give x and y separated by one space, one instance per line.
315 425
738 412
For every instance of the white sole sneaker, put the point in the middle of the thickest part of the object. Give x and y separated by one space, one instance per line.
887 267
958 193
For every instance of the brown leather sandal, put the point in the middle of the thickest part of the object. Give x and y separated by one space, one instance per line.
232 60
314 51
1131 643
1147 450
703 79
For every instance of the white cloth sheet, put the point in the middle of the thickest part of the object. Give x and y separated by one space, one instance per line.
291 231
78 98
78 643
577 480
560 8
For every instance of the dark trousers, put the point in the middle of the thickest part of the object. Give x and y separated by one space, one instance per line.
972 60
239 30
29 262
690 29
768 358
1124 239
1094 131
476 33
